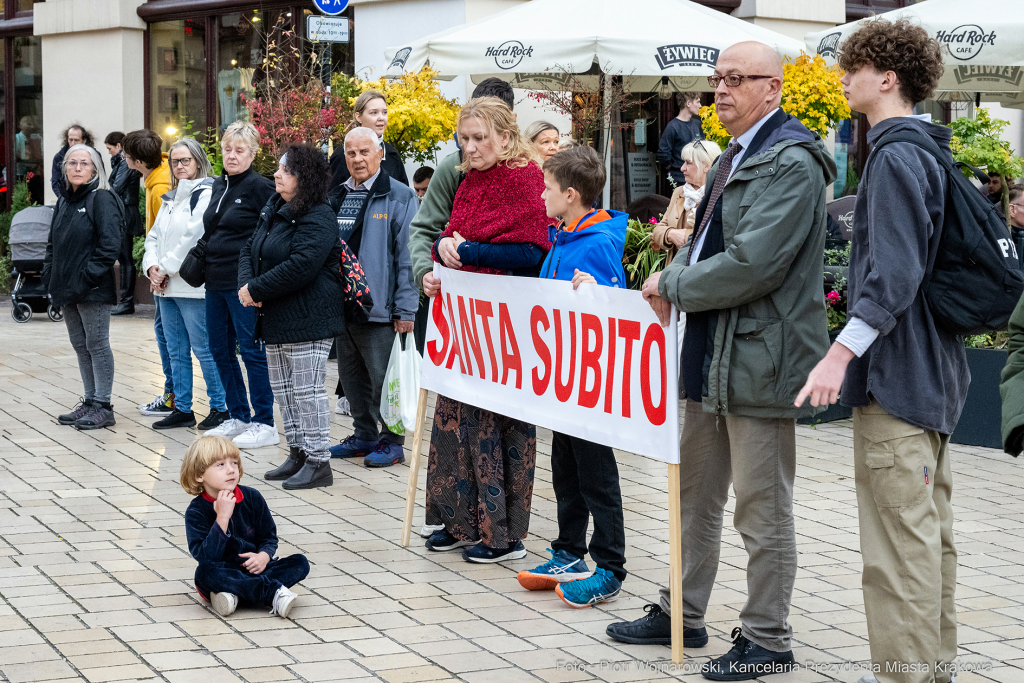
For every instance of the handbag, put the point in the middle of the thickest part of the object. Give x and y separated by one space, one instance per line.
193 266
358 302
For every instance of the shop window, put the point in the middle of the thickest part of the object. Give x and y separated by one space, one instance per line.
242 41
28 115
178 77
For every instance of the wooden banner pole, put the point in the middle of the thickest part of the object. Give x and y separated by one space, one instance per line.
414 468
675 550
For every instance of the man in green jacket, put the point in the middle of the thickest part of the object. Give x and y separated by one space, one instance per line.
750 284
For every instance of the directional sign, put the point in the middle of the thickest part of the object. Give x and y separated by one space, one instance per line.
332 7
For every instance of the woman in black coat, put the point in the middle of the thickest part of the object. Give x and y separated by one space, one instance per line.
78 272
289 271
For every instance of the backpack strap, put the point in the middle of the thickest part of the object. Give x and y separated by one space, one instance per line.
925 142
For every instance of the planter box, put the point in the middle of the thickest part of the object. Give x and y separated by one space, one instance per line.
980 421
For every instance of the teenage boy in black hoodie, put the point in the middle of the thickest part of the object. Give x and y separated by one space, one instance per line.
905 377
232 534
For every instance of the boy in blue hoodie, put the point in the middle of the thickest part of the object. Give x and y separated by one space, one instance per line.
587 247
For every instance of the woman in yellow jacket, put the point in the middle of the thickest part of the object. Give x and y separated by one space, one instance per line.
676 225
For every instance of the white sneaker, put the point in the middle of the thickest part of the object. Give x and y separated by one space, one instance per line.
229 429
224 604
283 601
258 435
342 407
428 529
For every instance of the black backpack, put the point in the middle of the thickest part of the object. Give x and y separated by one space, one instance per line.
976 279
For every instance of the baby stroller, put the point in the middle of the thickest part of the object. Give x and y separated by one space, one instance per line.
29 230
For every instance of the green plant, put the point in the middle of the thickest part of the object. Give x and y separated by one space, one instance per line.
639 258
20 199
991 340
138 251
978 142
209 142
852 180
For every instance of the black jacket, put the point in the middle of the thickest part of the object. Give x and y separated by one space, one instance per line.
229 221
251 528
392 163
124 182
82 248
291 266
57 173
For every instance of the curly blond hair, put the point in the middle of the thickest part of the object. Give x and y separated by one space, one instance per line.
498 118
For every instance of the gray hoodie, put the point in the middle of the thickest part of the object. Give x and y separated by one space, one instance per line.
914 370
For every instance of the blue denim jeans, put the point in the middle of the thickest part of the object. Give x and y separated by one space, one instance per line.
228 322
161 345
184 322
255 589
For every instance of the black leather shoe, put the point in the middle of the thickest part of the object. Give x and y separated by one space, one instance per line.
654 628
747 660
312 475
294 463
124 308
176 419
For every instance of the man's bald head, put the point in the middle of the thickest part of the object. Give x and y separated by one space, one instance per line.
739 108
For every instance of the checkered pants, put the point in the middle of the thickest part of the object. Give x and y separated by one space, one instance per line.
297 375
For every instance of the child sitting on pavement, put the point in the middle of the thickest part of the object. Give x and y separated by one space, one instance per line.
587 247
232 534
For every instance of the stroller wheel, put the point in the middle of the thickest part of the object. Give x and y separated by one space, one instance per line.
21 312
56 315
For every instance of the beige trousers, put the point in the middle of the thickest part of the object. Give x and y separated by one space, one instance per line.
904 485
758 457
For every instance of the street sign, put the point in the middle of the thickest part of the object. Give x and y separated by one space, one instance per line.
331 7
327 29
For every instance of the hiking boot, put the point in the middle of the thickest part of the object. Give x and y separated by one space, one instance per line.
563 566
176 418
99 416
283 601
385 454
215 419
353 447
76 414
747 660
229 428
485 554
296 459
258 435
441 541
314 473
224 604
654 628
161 405
602 586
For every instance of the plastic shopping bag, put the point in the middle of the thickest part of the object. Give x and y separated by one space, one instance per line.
401 390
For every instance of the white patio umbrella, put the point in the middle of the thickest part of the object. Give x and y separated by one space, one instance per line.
645 39
985 40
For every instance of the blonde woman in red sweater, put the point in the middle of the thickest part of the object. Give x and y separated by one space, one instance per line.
480 476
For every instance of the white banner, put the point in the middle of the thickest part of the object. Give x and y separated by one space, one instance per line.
593 363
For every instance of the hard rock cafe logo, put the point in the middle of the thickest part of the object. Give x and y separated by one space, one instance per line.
979 73
686 55
829 45
401 57
965 42
509 54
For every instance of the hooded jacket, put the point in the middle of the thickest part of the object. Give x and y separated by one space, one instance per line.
157 183
383 247
125 182
230 218
82 247
178 226
770 328
291 266
595 246
914 370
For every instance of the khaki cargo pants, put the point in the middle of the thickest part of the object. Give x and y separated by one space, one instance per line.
904 484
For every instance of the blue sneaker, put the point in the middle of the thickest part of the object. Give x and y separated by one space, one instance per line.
563 566
353 447
385 454
601 587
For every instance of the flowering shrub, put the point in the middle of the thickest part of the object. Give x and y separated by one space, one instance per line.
835 309
978 142
420 118
811 92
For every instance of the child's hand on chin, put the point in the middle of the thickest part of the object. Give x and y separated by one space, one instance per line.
224 506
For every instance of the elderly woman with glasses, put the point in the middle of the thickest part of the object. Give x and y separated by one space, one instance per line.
177 228
84 240
676 224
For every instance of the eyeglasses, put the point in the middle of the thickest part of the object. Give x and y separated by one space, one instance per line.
80 164
732 80
187 161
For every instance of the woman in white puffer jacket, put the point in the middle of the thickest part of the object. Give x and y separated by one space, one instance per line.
177 228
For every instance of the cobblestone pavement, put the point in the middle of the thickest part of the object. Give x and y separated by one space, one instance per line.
96 581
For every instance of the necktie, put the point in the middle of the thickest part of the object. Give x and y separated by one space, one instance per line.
724 168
